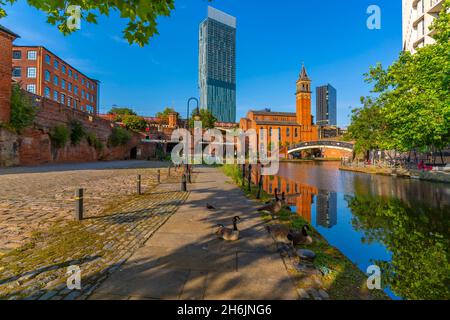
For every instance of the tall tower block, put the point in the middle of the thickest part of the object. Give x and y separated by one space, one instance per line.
303 94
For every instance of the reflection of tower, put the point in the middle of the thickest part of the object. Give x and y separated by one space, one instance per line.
326 209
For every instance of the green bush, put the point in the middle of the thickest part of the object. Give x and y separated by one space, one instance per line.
134 123
93 141
22 110
59 136
77 132
119 136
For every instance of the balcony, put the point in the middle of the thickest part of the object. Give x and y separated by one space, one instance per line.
436 6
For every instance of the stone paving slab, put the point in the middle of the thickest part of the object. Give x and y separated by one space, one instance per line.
185 260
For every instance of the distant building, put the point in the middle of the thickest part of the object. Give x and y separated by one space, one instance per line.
418 15
41 72
293 127
326 106
217 65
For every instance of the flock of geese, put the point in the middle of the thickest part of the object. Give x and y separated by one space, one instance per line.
280 232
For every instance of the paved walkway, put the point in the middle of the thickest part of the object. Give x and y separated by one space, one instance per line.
185 260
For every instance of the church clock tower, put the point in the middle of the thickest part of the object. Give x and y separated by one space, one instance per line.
303 95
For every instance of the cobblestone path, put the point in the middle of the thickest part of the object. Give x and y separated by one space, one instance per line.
32 201
98 245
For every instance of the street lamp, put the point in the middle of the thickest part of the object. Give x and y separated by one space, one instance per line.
187 170
189 101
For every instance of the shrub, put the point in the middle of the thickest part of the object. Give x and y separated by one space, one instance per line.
94 141
77 132
22 109
59 136
119 136
134 123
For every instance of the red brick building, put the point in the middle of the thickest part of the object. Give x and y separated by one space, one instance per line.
43 73
293 127
6 39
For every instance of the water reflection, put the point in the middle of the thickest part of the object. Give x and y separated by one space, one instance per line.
400 225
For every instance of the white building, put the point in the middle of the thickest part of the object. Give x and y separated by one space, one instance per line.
418 16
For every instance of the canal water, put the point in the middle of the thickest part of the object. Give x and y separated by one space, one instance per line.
400 225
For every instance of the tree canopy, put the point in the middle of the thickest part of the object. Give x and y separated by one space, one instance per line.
411 109
122 111
206 117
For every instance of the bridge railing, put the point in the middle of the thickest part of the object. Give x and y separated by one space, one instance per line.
325 143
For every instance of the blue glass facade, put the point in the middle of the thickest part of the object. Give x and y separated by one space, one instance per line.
326 106
217 65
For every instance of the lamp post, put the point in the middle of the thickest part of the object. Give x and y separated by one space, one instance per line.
187 171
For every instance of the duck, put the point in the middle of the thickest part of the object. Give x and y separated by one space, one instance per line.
300 237
279 232
273 207
228 234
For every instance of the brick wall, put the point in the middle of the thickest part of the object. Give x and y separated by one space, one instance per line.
5 75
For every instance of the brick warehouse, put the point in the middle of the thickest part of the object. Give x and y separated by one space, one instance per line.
293 127
41 72
6 39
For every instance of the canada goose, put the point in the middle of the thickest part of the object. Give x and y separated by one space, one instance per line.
300 237
275 199
273 207
210 207
227 233
279 232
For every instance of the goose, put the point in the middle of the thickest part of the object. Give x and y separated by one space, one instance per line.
274 207
300 237
276 197
210 207
279 232
227 233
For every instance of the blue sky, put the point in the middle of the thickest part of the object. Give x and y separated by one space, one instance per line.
273 39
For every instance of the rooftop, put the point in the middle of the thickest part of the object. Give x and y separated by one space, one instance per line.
6 30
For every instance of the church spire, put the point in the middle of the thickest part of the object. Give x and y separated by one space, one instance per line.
304 74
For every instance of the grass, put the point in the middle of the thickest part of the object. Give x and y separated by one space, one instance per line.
345 280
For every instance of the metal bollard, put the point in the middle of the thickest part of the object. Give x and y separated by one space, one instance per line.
168 174
79 204
249 178
260 184
138 185
189 175
243 175
183 183
159 176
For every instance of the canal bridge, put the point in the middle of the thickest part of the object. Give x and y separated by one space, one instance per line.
322 144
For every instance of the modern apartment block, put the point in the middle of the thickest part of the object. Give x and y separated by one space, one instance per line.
217 65
41 72
326 106
418 16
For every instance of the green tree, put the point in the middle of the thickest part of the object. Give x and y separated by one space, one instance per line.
119 136
206 118
59 135
141 16
77 132
123 111
134 123
23 112
412 96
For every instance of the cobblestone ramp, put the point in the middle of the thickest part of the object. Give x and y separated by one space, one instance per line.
98 245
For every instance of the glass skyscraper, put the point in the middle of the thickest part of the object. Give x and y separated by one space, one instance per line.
326 105
217 65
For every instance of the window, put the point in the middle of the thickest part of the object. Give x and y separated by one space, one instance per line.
17 55
82 80
92 98
296 132
17 72
70 73
69 86
288 132
47 75
75 76
32 55
31 88
75 104
47 92
82 93
47 59
63 83
63 98
89 109
63 69
31 72
88 84
55 95
87 95
56 64
69 99
55 80
75 90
